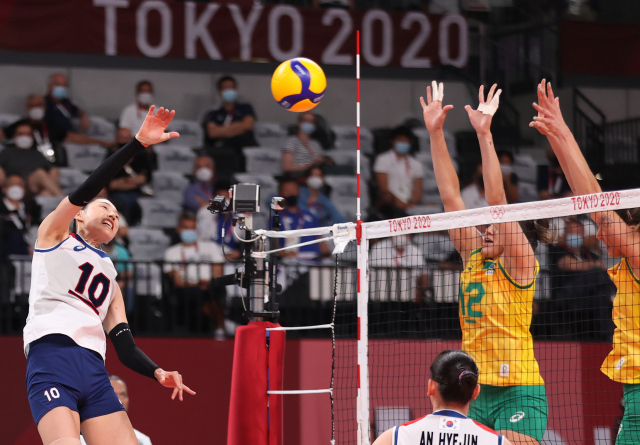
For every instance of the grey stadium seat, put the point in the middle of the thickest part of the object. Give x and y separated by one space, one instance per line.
191 133
102 129
169 186
346 138
70 179
8 119
147 244
48 204
270 134
85 158
159 213
263 160
175 158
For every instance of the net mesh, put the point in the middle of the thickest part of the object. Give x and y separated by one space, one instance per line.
540 343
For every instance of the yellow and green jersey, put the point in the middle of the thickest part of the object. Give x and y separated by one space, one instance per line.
623 362
495 316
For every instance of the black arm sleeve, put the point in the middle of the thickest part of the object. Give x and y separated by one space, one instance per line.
129 354
100 178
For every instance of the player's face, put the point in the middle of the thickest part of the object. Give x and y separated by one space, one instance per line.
490 247
100 220
121 391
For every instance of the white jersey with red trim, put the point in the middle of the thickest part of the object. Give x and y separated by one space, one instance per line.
445 427
72 286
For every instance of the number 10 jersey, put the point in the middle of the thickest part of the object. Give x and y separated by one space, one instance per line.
72 286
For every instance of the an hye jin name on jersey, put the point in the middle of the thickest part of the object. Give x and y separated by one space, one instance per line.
443 438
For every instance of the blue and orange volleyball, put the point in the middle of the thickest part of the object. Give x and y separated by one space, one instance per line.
298 84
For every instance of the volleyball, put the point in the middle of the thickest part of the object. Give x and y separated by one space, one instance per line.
298 84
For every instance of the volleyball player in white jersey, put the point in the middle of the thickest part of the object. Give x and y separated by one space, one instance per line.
74 300
451 388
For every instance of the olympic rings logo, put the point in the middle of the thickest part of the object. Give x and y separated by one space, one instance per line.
497 212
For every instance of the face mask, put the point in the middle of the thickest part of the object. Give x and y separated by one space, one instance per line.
15 193
291 201
204 174
574 241
59 92
307 127
315 182
36 114
145 98
188 236
23 142
402 147
229 95
506 169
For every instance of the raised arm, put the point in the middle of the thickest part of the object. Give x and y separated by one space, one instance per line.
467 239
614 231
55 227
519 259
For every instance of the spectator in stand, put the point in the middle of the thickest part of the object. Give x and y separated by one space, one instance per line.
16 218
551 182
133 115
473 194
398 174
22 159
301 152
48 140
59 110
231 125
509 178
130 182
582 282
120 388
210 226
198 194
312 200
294 218
192 265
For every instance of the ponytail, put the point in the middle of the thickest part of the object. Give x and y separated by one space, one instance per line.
456 374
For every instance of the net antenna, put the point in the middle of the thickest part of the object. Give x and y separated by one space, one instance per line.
362 400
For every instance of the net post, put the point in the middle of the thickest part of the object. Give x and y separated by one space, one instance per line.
358 122
362 283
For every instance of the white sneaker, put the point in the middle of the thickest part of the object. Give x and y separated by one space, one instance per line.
220 335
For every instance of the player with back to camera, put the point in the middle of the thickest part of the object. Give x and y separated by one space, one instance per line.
74 300
496 286
618 229
451 388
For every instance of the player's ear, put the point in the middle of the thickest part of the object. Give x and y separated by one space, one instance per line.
431 388
476 392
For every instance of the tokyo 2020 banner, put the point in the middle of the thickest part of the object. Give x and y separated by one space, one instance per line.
232 31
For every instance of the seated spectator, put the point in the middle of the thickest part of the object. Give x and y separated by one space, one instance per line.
231 125
199 193
48 140
294 218
121 258
59 110
582 284
22 159
210 225
473 194
509 178
312 200
191 266
301 152
551 182
16 218
133 115
398 174
400 252
130 182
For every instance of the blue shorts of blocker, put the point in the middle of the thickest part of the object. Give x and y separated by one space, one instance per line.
61 373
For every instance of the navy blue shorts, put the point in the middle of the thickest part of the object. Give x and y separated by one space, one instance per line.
61 373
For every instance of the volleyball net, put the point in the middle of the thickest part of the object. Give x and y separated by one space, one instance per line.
538 322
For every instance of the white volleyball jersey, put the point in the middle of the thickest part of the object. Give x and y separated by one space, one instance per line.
72 286
445 427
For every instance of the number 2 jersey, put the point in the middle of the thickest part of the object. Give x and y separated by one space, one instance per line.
72 286
495 317
444 427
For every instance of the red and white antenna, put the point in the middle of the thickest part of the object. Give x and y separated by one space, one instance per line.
358 122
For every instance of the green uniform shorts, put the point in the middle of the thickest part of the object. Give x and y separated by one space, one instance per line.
523 409
629 432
